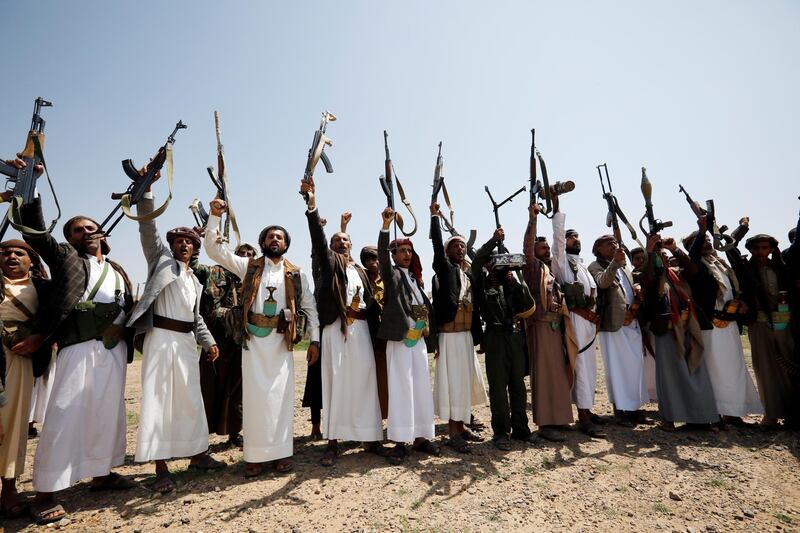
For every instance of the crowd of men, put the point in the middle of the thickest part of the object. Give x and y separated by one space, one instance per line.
371 328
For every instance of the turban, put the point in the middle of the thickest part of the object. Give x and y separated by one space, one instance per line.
571 233
368 252
453 239
37 269
600 240
761 237
183 231
263 235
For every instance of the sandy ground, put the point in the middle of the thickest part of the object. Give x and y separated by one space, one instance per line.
637 480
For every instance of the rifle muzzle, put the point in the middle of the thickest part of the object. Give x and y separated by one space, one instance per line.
562 187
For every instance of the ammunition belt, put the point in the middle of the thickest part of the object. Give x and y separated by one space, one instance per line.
462 320
92 321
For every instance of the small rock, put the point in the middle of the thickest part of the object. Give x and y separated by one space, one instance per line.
64 522
675 496
344 489
137 531
748 513
187 501
217 489
316 491
185 520
329 496
440 492
691 530
125 513
711 529
166 523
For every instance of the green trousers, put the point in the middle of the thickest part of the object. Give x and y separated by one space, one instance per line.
505 371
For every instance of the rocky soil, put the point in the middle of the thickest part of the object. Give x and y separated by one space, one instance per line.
637 480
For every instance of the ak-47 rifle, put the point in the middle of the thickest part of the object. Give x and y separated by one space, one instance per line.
220 181
720 239
317 151
654 225
387 181
496 209
199 212
448 225
140 183
24 179
543 189
615 213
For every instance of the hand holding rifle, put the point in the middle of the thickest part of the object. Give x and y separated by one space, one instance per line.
218 207
307 189
387 215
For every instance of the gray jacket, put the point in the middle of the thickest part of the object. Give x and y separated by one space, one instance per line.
611 304
162 269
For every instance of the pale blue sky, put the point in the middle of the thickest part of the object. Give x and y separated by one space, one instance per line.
701 93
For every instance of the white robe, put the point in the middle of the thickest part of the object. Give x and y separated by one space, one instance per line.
410 399
452 391
733 387
350 406
585 331
172 420
267 365
85 431
479 396
623 358
42 388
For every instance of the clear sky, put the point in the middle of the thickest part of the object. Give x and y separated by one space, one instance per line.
701 93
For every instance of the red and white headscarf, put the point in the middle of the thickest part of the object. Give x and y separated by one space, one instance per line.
415 268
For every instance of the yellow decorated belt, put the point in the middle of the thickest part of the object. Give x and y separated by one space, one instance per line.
262 321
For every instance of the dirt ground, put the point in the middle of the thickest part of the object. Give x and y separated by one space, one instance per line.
637 480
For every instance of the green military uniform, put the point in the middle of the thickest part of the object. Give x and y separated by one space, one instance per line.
221 380
502 304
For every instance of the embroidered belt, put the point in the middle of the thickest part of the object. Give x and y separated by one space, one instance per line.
262 321
631 313
780 319
729 313
352 314
171 324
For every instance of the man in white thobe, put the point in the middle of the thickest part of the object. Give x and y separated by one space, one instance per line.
620 335
580 291
350 405
273 291
172 421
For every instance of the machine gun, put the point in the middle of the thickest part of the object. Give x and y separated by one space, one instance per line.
387 181
504 259
24 179
448 225
721 241
654 225
140 183
615 213
543 189
199 212
317 151
220 182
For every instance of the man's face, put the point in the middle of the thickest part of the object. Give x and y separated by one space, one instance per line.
15 262
606 249
402 255
372 265
707 248
341 244
274 243
182 249
246 251
574 244
761 250
456 252
638 260
542 251
83 236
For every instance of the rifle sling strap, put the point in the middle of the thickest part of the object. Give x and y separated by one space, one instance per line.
628 225
407 203
126 198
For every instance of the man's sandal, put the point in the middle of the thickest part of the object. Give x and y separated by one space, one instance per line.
503 443
40 510
471 436
164 483
377 448
329 457
112 481
284 465
207 463
458 443
397 455
428 447
16 510
253 470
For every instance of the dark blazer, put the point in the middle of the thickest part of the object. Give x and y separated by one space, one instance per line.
446 286
397 296
41 359
701 281
332 266
70 276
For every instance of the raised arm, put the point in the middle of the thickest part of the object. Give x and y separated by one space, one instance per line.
559 263
605 277
219 253
387 216
152 245
533 267
45 245
439 256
